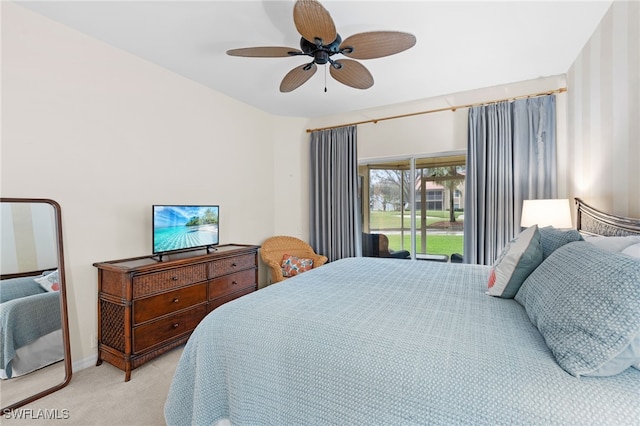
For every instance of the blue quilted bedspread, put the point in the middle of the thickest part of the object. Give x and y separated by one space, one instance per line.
24 320
384 342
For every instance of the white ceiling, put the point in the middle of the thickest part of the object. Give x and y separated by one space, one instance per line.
461 45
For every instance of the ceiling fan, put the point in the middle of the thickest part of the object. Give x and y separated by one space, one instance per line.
321 41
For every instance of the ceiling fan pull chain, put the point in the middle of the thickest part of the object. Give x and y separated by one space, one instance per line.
325 78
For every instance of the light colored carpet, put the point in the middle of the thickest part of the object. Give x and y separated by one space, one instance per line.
100 396
21 387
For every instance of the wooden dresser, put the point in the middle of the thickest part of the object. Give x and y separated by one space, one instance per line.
147 306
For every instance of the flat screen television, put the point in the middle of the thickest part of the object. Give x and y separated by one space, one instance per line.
181 227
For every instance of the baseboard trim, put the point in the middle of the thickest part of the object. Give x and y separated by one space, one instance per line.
87 362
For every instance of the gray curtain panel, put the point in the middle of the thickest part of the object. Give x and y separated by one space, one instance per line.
336 231
511 157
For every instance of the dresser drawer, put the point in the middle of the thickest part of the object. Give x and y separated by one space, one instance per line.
231 283
159 331
156 282
231 265
229 297
162 304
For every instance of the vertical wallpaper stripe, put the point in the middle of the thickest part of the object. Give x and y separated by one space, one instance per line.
633 16
604 53
621 118
603 131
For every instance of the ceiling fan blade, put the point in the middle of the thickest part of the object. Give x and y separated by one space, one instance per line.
352 73
297 77
264 52
313 22
376 44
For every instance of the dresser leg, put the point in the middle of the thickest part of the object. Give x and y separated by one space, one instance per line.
127 368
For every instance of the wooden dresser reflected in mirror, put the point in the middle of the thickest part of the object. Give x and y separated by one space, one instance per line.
34 344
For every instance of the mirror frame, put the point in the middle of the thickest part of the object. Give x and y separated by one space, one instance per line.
64 315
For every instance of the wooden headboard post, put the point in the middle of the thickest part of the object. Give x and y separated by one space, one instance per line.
592 221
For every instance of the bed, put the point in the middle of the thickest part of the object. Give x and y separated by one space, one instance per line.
30 330
385 341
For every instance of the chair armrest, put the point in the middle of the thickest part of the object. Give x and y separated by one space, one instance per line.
400 254
276 271
319 260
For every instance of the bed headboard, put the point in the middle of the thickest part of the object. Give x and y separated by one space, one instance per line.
592 221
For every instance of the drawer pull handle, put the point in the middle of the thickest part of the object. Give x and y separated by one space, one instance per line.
176 325
176 300
233 265
234 282
174 278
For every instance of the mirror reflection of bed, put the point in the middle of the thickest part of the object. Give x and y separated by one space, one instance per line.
34 349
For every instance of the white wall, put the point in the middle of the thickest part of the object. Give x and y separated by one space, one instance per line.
107 135
291 178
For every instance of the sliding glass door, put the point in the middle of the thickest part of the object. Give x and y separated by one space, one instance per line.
418 203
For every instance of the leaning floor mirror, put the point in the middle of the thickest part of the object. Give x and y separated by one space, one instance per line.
35 353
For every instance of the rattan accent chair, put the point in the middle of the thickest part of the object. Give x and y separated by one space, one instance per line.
274 248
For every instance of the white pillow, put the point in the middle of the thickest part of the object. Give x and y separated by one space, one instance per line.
615 244
50 282
633 250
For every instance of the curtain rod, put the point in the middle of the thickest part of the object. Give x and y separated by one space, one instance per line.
451 108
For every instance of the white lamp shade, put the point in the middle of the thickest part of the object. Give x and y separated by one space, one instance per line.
556 213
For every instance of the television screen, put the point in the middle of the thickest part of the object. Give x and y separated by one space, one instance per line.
184 227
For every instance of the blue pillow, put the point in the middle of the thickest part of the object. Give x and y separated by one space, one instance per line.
552 238
585 301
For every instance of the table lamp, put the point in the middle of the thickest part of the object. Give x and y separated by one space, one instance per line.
550 212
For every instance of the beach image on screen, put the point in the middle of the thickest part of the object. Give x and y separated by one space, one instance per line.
182 227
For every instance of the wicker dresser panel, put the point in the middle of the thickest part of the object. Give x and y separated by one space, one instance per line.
156 282
113 283
231 265
112 324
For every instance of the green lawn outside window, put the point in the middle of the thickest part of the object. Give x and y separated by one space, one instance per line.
389 223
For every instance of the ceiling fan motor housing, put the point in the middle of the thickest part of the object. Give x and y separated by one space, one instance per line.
320 53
